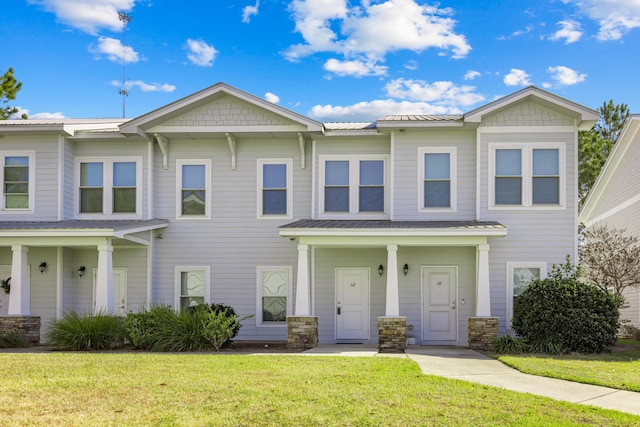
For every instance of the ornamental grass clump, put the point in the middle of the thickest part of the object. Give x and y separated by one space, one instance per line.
85 332
12 341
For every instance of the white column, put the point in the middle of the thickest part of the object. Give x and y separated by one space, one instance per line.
483 290
19 298
393 300
302 285
104 281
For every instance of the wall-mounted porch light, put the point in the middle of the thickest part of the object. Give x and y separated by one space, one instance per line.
381 270
81 271
42 266
405 269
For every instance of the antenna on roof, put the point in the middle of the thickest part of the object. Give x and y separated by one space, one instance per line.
125 19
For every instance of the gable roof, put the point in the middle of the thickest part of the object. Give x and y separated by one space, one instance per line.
210 94
629 134
586 117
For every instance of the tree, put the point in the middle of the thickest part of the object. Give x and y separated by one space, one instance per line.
610 259
9 88
595 145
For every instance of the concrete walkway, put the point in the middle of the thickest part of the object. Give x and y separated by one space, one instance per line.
468 365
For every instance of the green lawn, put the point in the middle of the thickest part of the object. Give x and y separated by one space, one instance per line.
83 389
619 369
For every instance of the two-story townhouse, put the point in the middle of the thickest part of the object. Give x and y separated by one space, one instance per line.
338 232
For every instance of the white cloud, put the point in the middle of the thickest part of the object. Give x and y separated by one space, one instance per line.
145 87
570 32
518 33
517 78
565 76
36 116
356 68
372 110
200 53
249 11
411 65
442 93
113 50
271 97
87 15
615 17
374 29
471 74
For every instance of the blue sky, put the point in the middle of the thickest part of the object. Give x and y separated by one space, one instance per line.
332 60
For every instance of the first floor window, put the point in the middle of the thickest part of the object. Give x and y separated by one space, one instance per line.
194 196
520 275
16 182
274 284
192 286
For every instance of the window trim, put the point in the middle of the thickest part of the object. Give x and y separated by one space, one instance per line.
453 178
259 270
178 270
288 162
107 186
354 186
207 182
31 155
527 175
511 265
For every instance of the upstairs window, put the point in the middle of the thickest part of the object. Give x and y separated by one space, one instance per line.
109 187
353 186
17 181
527 175
275 193
194 193
437 179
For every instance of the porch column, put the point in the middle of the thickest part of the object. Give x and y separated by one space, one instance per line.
393 300
19 298
302 284
104 281
483 291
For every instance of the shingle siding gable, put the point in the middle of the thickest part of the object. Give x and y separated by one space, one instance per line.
527 113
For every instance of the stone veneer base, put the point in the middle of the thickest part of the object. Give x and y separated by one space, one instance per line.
392 334
302 332
481 331
27 327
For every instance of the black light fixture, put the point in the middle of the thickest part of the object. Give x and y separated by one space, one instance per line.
405 269
42 266
81 271
380 270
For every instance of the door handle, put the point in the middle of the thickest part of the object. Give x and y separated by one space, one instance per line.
453 307
339 310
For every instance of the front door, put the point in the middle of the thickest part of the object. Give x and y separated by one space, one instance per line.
440 320
352 303
119 290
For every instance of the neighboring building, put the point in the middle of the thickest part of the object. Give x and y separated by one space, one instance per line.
614 199
436 221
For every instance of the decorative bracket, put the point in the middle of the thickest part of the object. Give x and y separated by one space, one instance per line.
232 149
163 143
303 162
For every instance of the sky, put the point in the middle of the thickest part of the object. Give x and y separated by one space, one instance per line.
331 60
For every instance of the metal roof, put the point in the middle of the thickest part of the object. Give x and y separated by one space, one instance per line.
115 225
388 224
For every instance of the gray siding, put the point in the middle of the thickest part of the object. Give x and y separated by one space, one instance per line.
527 113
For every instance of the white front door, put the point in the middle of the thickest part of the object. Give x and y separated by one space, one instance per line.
439 290
352 303
119 290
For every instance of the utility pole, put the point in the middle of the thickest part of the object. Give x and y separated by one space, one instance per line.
123 91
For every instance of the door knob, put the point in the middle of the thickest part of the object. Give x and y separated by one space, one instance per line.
339 310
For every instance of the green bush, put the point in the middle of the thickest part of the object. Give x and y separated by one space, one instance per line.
561 312
12 341
513 345
83 332
141 328
631 331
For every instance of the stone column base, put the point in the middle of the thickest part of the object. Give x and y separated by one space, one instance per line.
26 327
392 334
481 331
302 332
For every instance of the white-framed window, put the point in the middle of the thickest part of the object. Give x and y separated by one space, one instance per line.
18 181
109 186
354 186
193 189
527 175
192 286
275 188
437 179
273 295
519 276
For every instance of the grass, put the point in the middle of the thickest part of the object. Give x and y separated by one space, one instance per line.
130 389
619 369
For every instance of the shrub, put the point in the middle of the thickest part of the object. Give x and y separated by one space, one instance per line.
12 341
513 345
561 312
631 331
141 328
83 332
